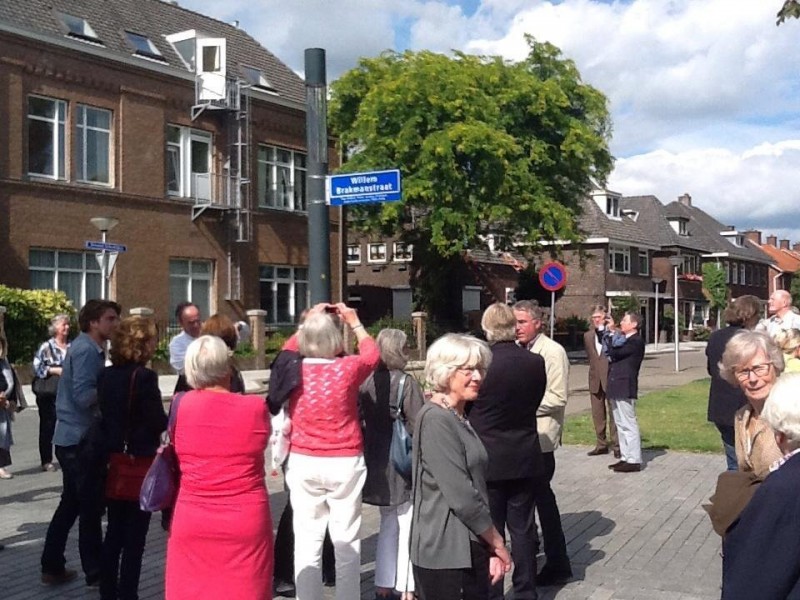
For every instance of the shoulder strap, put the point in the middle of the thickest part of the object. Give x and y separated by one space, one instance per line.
131 393
400 388
173 415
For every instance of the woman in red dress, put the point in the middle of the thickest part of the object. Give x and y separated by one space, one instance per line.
220 542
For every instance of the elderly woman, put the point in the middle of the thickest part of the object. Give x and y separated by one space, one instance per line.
325 470
788 341
455 549
47 371
761 551
379 399
132 421
753 362
724 398
220 542
225 329
504 417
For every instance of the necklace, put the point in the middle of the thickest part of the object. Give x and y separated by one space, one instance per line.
449 407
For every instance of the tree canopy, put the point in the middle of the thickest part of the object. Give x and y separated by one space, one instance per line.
484 145
790 9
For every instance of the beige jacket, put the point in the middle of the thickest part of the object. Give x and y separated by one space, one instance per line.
550 416
760 452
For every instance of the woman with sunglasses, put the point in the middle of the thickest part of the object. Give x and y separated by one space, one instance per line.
455 549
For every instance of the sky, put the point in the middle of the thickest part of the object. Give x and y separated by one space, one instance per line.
704 94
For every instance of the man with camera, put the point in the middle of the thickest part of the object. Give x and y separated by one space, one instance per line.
598 385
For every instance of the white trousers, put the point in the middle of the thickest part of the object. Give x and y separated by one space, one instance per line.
392 560
326 493
630 441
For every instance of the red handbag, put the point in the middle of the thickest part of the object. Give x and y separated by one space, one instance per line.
125 471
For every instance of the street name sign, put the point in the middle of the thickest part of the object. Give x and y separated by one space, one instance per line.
363 188
100 246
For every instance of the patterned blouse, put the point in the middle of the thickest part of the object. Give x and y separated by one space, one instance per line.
48 355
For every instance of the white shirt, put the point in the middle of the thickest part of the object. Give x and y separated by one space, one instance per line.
791 320
177 350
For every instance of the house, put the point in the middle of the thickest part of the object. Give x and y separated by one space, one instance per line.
786 259
181 130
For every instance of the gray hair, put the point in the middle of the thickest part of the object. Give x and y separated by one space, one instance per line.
742 347
498 323
782 410
391 343
320 337
206 363
51 329
453 351
531 307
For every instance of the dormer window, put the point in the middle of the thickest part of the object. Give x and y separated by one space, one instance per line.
78 27
255 77
678 226
142 45
612 206
185 44
734 237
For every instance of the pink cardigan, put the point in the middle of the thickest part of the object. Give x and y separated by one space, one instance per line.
324 407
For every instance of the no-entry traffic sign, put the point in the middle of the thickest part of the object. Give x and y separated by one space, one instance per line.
553 276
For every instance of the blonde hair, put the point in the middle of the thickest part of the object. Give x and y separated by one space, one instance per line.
453 351
131 341
498 323
788 340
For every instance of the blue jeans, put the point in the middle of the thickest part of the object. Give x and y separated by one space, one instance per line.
728 436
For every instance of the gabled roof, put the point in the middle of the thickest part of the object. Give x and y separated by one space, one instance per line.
154 19
653 218
785 260
594 223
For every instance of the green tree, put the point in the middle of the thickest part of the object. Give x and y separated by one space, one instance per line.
485 146
714 288
790 9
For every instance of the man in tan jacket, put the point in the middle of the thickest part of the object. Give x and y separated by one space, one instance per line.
549 422
598 384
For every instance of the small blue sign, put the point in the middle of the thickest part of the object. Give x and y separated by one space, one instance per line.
553 276
100 246
363 188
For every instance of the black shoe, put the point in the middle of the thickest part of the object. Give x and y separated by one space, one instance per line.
616 464
627 467
597 451
61 578
548 576
284 588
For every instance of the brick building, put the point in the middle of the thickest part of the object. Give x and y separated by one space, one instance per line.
181 127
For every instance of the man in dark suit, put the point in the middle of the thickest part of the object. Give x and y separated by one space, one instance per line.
626 351
504 417
598 384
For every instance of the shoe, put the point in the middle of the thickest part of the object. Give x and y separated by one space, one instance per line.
616 464
5 474
65 576
284 588
548 576
617 454
598 450
49 467
627 467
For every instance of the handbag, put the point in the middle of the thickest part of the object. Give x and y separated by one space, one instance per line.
400 448
125 471
161 483
45 387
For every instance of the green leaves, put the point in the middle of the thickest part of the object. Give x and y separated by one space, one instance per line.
789 10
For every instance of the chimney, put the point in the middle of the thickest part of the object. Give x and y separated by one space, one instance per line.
754 235
784 244
796 247
772 240
685 199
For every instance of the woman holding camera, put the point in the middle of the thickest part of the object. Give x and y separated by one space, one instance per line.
325 470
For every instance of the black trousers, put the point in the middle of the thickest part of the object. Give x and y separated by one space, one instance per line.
456 584
47 426
123 548
82 497
284 549
511 503
555 546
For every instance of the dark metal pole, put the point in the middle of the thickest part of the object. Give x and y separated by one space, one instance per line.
319 252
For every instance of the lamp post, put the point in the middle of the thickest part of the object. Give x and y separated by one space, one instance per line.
657 281
104 225
676 261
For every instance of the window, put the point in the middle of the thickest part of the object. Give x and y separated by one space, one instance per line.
402 252
190 281
211 59
354 254
142 45
377 253
612 206
281 178
188 162
92 144
734 273
77 274
619 259
726 268
678 225
46 137
644 263
284 292
690 264
742 279
78 27
255 77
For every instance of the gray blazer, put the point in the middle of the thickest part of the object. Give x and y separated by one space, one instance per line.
451 503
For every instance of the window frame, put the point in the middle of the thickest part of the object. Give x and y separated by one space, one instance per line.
58 137
408 252
377 260
187 180
152 51
353 261
89 266
86 33
625 252
612 207
295 282
82 148
192 275
646 255
268 196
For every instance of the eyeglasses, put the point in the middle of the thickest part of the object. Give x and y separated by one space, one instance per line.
757 370
470 371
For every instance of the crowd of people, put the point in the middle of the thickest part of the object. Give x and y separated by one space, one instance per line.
478 466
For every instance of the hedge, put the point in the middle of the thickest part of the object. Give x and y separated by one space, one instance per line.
28 314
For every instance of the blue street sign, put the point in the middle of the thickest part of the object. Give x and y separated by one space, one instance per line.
363 188
553 276
100 246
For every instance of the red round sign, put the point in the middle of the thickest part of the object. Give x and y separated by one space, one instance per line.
553 276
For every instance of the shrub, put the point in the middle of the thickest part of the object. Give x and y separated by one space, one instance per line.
702 333
28 314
